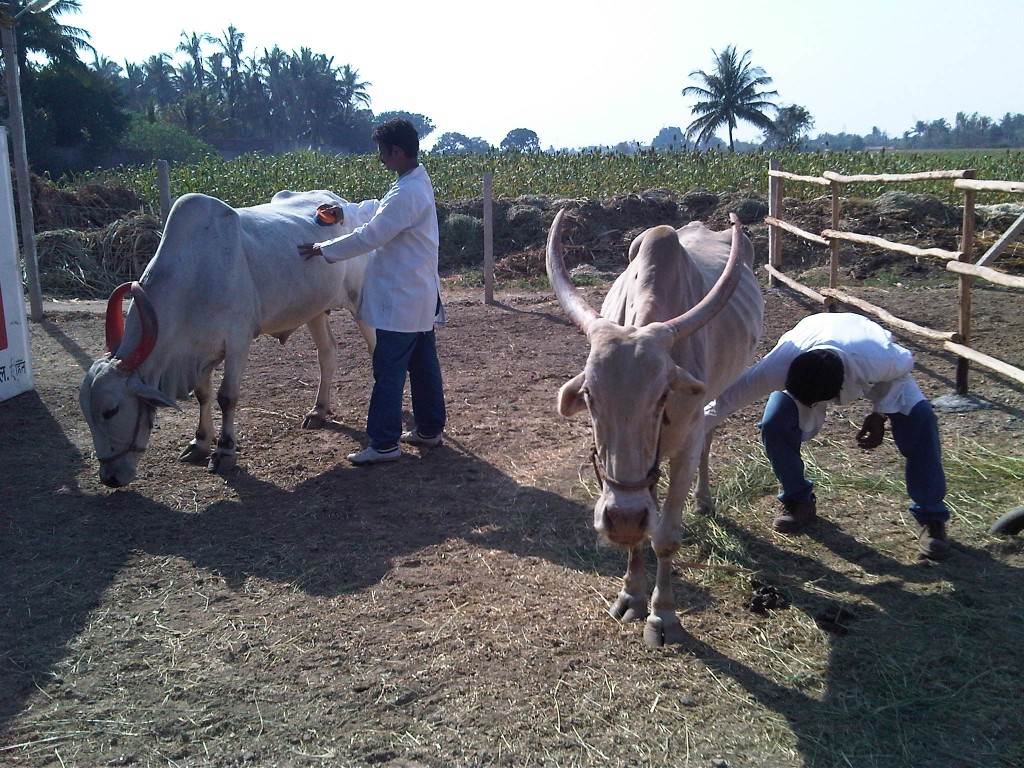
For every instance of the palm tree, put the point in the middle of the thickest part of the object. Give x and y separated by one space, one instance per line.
107 68
789 127
730 93
273 69
192 46
132 85
232 45
42 34
317 95
353 91
161 80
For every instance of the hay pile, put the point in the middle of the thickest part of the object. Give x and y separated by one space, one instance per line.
91 263
91 239
88 207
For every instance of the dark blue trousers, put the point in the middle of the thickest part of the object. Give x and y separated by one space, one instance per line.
916 436
395 355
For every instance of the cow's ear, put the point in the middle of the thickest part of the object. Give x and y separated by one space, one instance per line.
685 384
570 401
153 396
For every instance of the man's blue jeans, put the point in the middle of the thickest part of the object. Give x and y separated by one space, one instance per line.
916 436
395 354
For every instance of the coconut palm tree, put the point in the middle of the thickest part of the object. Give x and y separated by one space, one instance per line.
133 84
232 46
192 46
273 71
161 82
729 94
41 34
789 127
106 68
353 93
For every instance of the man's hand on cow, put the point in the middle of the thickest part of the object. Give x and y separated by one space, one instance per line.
309 250
871 433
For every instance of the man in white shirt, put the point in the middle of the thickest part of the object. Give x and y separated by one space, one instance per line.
840 357
401 295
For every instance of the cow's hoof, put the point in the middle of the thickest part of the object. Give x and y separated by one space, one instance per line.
1009 524
316 420
223 463
627 608
194 454
660 631
704 507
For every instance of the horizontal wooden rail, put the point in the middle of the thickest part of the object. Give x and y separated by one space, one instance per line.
973 355
796 177
810 293
922 176
986 185
896 322
771 220
881 242
958 262
985 273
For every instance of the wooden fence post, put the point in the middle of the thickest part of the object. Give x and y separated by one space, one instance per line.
833 271
963 365
163 181
775 211
488 238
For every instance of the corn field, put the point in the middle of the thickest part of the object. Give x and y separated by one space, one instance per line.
253 179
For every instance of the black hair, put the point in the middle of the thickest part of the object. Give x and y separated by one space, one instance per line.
815 376
400 133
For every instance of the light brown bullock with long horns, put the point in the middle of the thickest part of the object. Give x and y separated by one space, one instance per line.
221 277
677 327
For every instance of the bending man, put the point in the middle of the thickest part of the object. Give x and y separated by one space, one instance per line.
840 357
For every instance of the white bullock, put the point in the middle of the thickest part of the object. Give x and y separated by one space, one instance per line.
220 277
678 325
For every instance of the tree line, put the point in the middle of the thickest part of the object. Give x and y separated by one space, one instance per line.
83 110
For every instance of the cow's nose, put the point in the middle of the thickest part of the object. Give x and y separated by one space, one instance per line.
625 526
111 481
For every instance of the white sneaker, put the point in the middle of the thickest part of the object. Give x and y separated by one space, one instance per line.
371 455
413 437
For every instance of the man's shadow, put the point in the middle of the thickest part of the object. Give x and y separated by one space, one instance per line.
896 630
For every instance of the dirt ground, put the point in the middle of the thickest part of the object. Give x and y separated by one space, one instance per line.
450 609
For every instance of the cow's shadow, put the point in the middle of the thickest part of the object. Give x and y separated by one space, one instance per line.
337 532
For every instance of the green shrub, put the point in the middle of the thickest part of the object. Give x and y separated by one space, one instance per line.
147 142
462 241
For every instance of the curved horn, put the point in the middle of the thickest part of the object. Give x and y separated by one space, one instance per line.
115 320
701 313
572 300
147 315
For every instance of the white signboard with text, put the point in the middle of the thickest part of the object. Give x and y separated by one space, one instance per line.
15 355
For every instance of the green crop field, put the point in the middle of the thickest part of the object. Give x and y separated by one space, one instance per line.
253 179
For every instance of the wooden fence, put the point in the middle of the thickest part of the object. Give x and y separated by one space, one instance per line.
957 262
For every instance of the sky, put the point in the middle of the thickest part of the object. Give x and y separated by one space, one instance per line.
589 72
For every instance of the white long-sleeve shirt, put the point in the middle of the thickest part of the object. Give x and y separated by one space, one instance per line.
874 367
401 289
